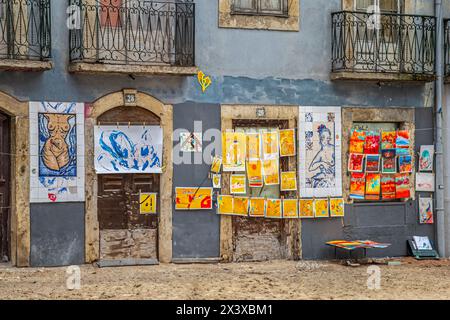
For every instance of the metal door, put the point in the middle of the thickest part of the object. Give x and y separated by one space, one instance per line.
5 176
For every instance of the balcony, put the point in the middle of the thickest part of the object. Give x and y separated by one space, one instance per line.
383 47
25 35
137 37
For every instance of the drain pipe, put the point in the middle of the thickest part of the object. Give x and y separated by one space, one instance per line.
439 84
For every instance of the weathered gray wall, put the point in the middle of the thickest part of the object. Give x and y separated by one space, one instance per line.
383 222
195 233
57 234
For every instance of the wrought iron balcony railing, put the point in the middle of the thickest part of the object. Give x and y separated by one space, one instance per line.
138 32
25 29
383 43
447 46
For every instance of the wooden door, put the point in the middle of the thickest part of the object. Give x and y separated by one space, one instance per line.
5 165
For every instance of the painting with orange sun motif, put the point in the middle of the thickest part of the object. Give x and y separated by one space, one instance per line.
287 143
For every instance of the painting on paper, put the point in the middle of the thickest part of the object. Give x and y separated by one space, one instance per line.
253 146
321 208
128 149
234 151
270 144
372 144
147 203
306 209
388 162
337 207
274 208
191 142
238 184
402 186
373 186
357 185
216 180
57 145
254 173
240 206
388 140
216 164
426 158
271 172
356 162
357 141
320 161
287 143
193 198
425 182
257 207
288 181
225 204
405 164
426 211
402 142
290 208
373 163
388 187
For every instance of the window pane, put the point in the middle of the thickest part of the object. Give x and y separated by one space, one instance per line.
246 5
271 5
362 5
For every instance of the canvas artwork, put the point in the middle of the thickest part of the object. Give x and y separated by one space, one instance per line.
402 186
288 181
290 208
422 243
388 140
193 198
373 186
425 182
388 187
238 184
402 142
270 145
426 211
405 164
388 161
373 163
426 158
56 152
320 160
372 143
356 162
271 172
274 208
357 141
306 209
225 204
191 142
147 203
216 180
128 149
357 185
337 207
287 143
216 164
321 208
240 206
234 151
253 146
257 207
254 174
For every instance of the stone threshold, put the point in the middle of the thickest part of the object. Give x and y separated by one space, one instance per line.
24 65
126 262
380 76
196 260
95 68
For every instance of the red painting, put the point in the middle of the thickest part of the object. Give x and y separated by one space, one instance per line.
388 187
402 188
372 145
357 185
355 162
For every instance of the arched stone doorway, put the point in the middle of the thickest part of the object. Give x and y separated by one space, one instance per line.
116 109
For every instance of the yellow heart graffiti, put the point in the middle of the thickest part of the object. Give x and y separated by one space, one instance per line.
203 80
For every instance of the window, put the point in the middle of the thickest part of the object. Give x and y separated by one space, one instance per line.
260 7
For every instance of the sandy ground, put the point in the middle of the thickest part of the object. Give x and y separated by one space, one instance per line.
261 280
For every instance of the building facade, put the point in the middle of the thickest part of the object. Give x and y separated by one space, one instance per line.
88 65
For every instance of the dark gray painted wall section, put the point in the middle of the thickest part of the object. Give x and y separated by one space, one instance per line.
196 234
57 234
392 223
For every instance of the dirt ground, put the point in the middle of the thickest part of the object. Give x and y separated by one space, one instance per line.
260 280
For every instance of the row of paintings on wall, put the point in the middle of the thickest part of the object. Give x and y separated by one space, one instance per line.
371 142
375 163
376 186
280 208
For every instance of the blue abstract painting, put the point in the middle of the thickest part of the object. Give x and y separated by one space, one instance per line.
57 145
128 149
